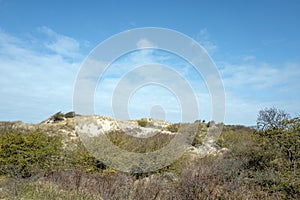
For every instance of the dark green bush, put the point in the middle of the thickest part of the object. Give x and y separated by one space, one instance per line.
142 122
21 153
140 145
70 115
83 159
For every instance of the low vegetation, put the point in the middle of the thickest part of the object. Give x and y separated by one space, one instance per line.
139 145
22 153
142 122
261 163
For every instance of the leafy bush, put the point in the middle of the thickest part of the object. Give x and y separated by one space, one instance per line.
259 164
142 122
200 135
140 145
58 117
81 158
20 153
285 141
173 127
70 114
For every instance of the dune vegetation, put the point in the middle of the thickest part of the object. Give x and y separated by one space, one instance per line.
257 163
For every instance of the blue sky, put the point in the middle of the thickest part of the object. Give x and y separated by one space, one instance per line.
255 45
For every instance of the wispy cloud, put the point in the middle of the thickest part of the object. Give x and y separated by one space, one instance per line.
38 74
61 44
37 82
261 76
204 39
253 86
145 43
153 94
34 84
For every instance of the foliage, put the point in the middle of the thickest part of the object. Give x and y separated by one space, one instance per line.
271 118
211 123
259 164
173 127
280 141
20 153
286 140
142 122
201 132
140 145
59 116
70 114
82 159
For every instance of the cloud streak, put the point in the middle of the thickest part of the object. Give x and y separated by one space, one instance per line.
33 84
37 76
253 86
203 38
61 44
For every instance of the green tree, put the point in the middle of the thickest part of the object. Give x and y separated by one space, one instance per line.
271 118
281 134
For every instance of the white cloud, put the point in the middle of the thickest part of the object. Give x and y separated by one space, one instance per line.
35 84
203 33
145 43
261 76
247 58
203 38
148 96
250 85
61 44
254 86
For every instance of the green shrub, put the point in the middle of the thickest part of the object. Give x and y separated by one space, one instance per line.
281 133
81 158
142 122
58 117
139 145
173 127
21 153
285 142
200 135
70 114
